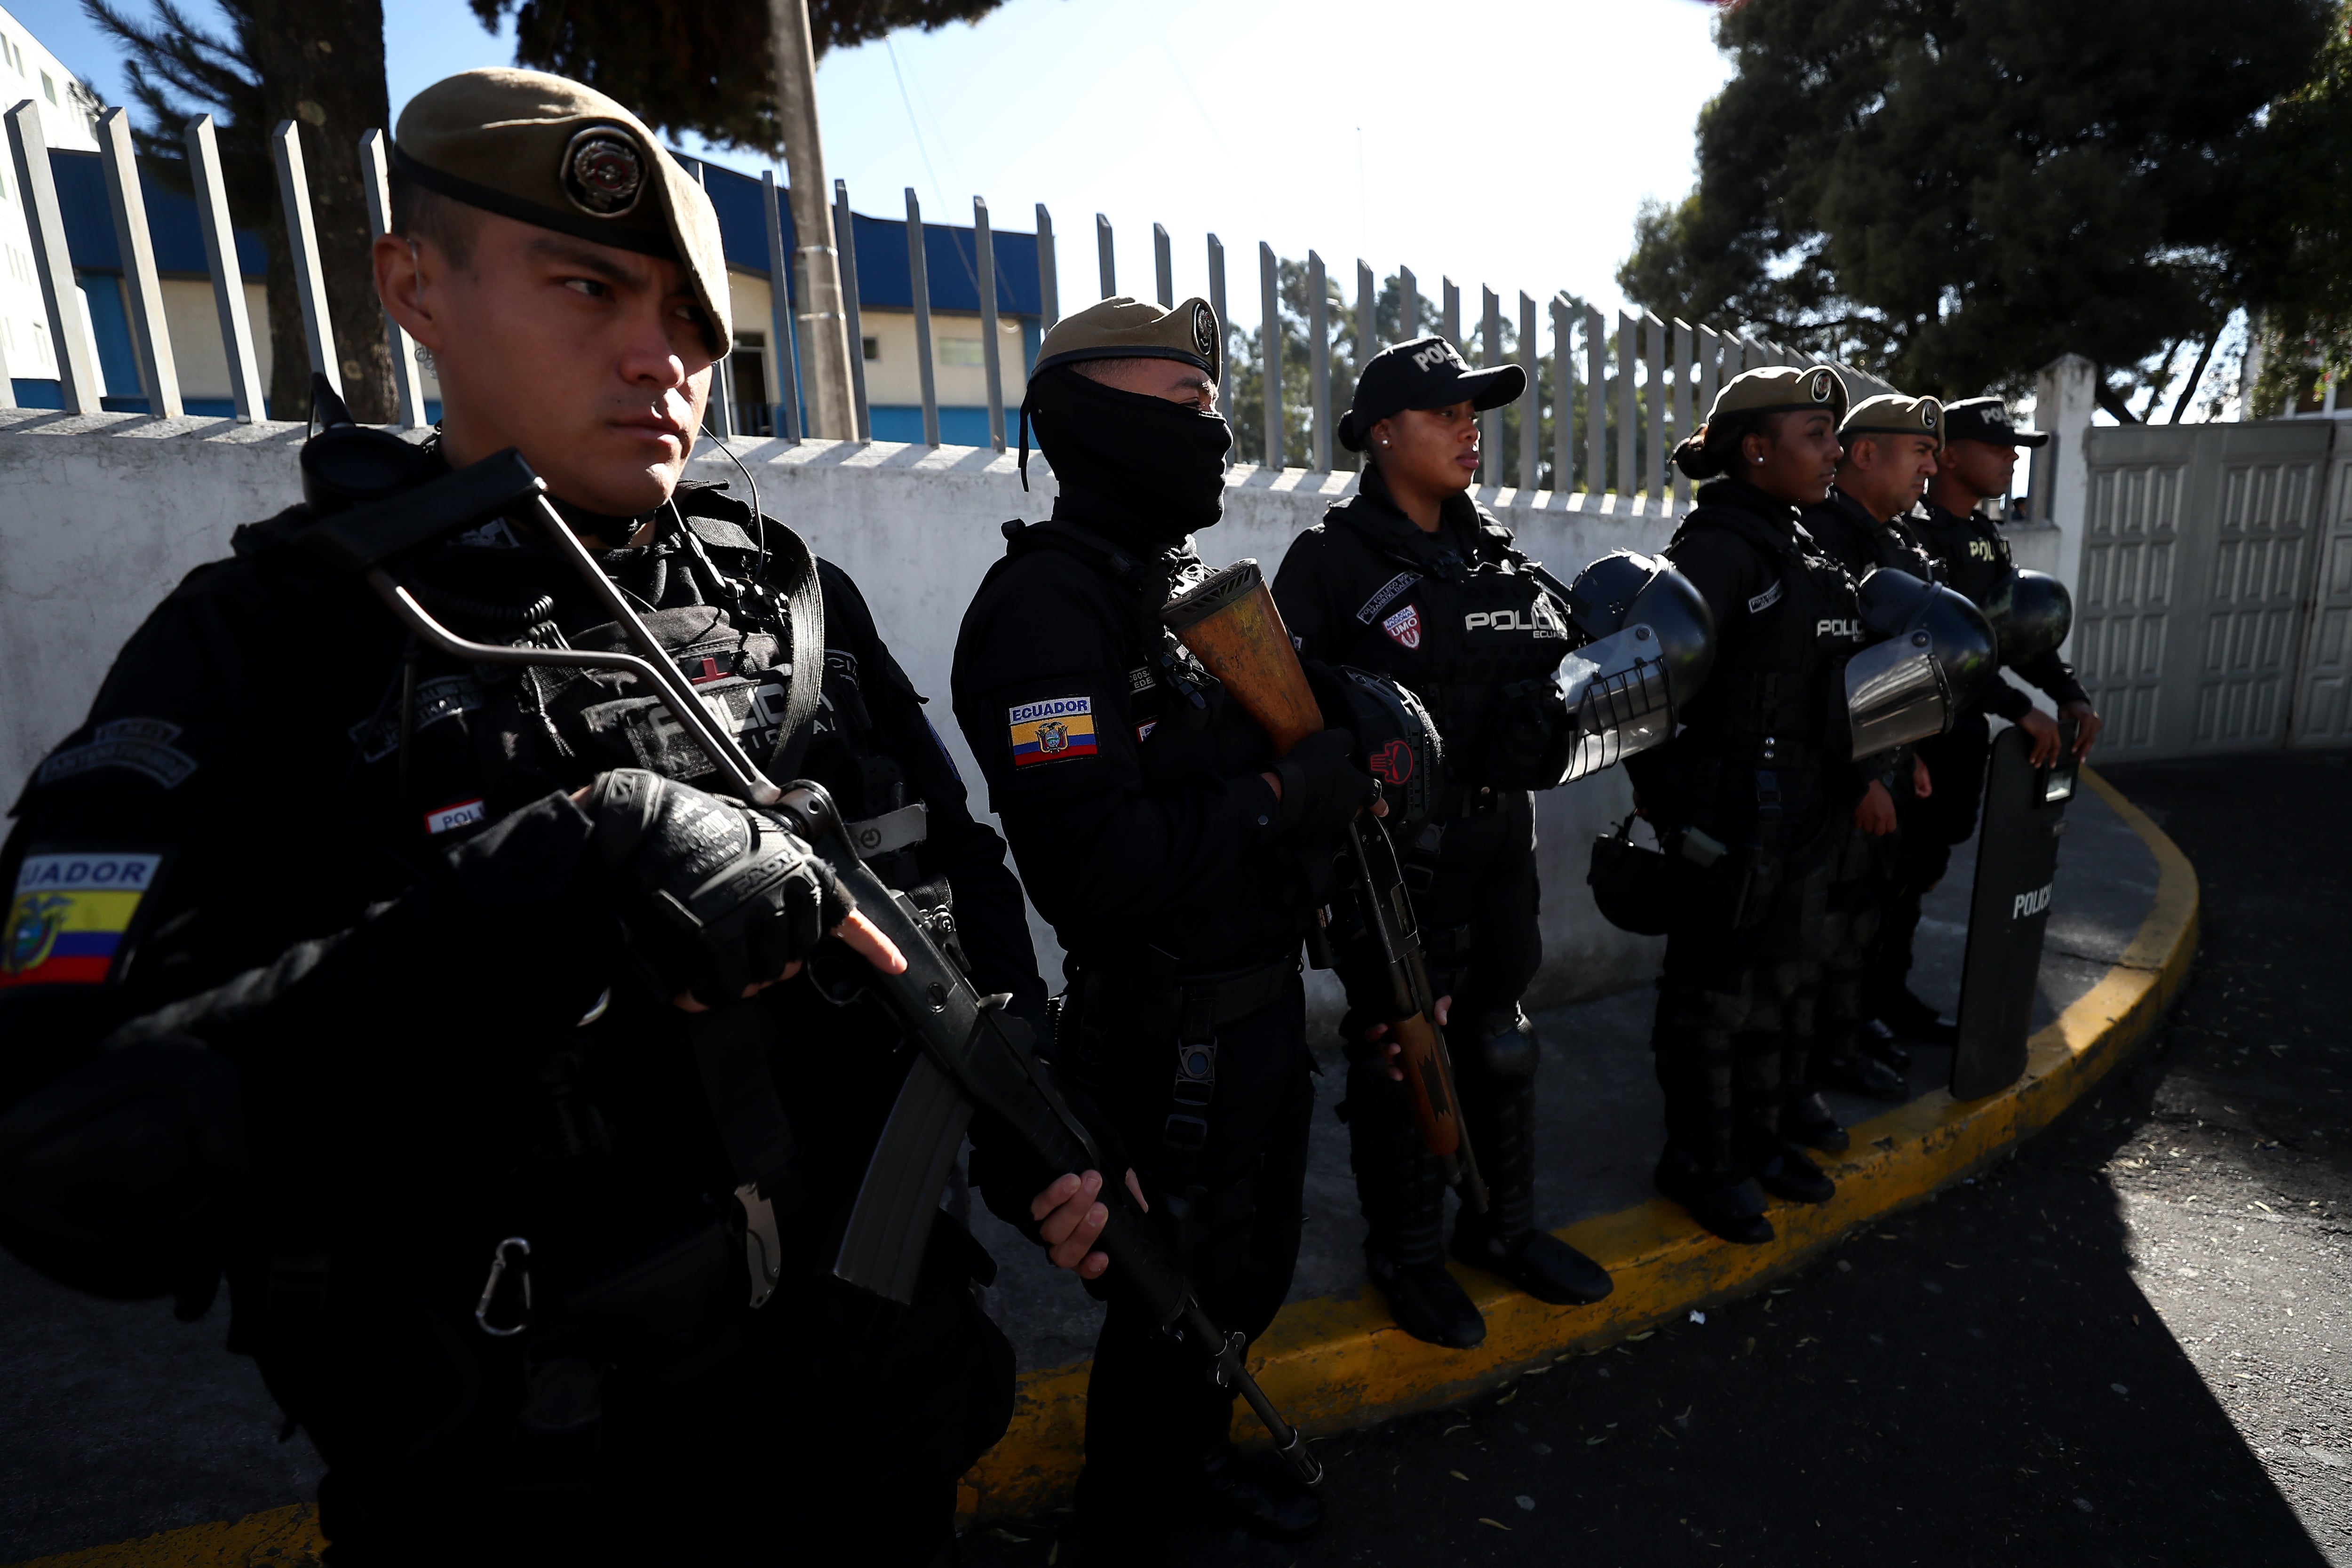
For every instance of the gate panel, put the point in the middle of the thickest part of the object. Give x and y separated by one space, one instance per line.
2322 715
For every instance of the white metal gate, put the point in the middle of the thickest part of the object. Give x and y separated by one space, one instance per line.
2196 629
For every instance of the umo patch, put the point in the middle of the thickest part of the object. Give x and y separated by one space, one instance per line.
1404 627
1765 600
140 745
69 914
464 813
1053 731
1386 596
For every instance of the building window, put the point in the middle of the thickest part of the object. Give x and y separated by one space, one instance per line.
48 87
960 351
873 348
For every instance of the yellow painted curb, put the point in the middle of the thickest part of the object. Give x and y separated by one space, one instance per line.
1339 1362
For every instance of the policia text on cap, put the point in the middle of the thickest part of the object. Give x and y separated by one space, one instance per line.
477 1045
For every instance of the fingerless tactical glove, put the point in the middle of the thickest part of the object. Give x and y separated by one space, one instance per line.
718 895
1323 785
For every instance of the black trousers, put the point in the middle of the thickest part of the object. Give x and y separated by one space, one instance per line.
1485 892
830 1426
1736 1008
1930 827
1233 1209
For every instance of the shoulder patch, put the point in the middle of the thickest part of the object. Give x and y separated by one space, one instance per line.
69 913
1765 600
1404 627
1386 595
140 745
1055 730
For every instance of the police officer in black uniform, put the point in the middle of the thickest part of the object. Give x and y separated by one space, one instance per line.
1409 576
438 1005
1972 556
1154 827
1890 442
1746 798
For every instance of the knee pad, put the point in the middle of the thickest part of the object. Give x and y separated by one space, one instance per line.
1508 1048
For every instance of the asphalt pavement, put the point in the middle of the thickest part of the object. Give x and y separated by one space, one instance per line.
2124 1345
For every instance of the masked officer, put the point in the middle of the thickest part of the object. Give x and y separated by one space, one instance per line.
1410 577
1745 799
1890 445
439 1004
1971 556
1154 828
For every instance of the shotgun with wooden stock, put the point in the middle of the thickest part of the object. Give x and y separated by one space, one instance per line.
1231 624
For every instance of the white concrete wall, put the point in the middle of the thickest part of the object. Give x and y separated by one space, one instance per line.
100 516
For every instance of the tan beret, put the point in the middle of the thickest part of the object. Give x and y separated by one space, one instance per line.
1781 389
1892 413
1121 328
546 151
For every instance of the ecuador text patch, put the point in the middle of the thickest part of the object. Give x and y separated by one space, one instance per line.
69 914
1053 731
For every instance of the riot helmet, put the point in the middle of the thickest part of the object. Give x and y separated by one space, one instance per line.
2030 613
1398 740
1649 645
1934 655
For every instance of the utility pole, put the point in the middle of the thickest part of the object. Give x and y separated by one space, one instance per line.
825 334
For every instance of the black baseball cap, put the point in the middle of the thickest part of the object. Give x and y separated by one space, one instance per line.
1425 373
1987 419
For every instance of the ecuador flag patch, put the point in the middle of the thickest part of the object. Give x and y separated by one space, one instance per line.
1053 731
71 912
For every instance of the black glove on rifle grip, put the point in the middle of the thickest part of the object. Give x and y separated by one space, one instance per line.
720 896
1323 785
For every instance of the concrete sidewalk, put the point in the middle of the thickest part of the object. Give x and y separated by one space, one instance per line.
121 1422
1601 1113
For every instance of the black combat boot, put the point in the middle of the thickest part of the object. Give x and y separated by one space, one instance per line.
1913 1019
1783 1169
1726 1200
1864 1075
1260 1493
1505 1239
1805 1119
1402 1186
1878 1041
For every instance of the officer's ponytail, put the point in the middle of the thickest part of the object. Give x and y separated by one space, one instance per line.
1714 449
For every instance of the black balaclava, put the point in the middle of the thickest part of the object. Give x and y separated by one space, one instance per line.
1143 470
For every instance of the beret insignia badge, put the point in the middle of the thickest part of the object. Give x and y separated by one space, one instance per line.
1821 387
603 172
1927 416
1204 335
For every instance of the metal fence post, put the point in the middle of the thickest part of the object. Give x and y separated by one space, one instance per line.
1653 476
1731 359
1049 281
1596 403
228 279
783 353
985 242
1408 305
845 241
1449 318
1224 321
147 328
1710 358
1629 472
1318 364
1104 261
919 273
1269 343
303 239
1563 412
719 415
1530 398
1163 267
1490 346
407 385
1368 330
1681 406
77 354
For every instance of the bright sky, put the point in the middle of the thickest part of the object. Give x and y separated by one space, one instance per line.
1498 142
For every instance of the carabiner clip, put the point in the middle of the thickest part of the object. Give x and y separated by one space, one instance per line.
491 1287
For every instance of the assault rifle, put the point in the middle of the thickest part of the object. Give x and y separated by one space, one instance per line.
974 1054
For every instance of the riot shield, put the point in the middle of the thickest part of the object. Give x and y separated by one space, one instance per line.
2017 860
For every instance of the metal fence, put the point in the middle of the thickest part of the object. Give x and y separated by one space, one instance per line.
1601 411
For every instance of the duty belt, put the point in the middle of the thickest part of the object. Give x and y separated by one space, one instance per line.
1189 1007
